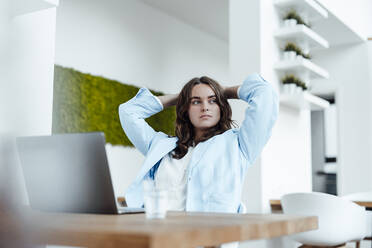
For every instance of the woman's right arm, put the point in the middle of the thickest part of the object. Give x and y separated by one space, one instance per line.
134 112
132 116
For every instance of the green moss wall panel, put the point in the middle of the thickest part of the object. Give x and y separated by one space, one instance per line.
87 103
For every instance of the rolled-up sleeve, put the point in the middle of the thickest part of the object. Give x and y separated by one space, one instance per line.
260 116
132 116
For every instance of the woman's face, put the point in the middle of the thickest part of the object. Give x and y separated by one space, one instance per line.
204 111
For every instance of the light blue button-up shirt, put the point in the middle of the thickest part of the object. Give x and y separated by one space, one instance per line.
218 165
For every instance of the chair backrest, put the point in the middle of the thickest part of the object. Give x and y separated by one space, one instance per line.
339 220
365 196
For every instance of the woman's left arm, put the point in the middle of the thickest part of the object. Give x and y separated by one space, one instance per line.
260 115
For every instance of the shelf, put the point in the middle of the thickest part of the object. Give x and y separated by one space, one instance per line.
303 100
312 8
301 65
301 33
336 32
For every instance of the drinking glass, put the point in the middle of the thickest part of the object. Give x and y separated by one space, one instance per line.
155 200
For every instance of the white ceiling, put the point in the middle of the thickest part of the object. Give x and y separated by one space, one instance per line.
211 16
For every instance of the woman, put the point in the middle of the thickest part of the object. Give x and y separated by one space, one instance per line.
203 167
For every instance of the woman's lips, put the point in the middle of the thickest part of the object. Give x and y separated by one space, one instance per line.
205 116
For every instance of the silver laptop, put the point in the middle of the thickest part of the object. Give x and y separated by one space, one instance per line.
69 173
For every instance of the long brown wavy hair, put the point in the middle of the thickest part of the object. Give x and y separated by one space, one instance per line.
184 128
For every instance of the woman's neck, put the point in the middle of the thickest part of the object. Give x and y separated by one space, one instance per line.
198 135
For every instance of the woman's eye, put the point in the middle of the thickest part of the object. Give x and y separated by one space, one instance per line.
212 101
195 102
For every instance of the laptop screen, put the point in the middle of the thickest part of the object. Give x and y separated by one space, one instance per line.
67 173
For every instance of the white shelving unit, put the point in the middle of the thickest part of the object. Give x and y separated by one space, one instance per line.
303 100
301 66
307 39
301 34
313 10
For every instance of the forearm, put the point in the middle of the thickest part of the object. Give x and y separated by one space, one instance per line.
260 115
231 92
168 100
132 115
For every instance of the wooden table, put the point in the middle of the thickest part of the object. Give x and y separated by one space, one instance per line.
367 204
179 229
276 205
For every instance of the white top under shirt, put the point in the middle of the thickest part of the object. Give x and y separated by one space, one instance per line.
172 175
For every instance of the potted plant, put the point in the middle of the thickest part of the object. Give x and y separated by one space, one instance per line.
302 85
292 19
291 51
292 84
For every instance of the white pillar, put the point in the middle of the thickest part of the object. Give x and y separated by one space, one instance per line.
32 65
244 59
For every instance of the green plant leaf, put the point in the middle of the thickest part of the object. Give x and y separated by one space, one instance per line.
292 14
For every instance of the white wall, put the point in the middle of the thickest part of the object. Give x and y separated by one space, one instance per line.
331 132
349 68
26 70
32 56
134 43
4 63
287 157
